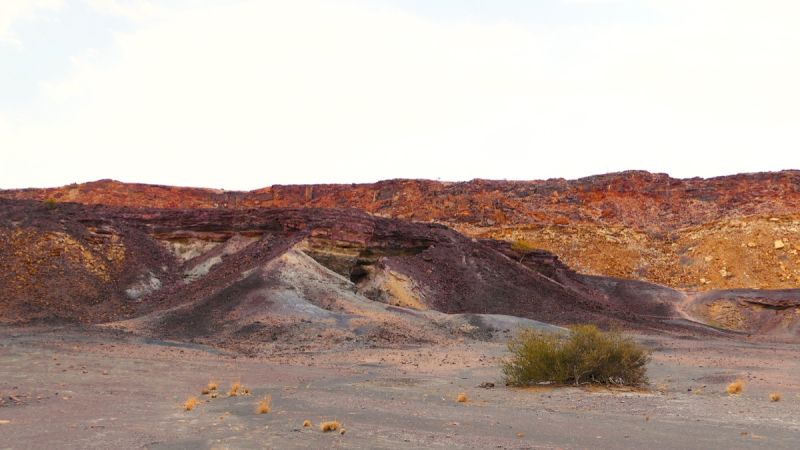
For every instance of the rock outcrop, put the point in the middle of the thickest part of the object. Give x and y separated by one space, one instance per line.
717 233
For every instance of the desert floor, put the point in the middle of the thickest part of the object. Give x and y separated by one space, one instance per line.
70 387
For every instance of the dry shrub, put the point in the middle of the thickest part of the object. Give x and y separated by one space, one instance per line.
234 390
205 391
331 425
306 423
264 404
462 398
522 246
735 388
586 355
190 403
774 396
212 385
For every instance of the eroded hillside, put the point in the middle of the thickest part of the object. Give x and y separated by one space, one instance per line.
103 264
739 231
751 252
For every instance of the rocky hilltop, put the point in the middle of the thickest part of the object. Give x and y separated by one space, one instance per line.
740 231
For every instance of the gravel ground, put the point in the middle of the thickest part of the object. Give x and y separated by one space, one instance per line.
88 388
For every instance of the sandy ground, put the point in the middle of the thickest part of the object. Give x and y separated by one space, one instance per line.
84 388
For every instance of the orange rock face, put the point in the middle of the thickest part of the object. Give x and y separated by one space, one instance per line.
689 233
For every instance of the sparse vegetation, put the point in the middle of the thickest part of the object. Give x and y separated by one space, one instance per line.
264 405
586 355
190 403
306 423
50 203
462 398
212 385
331 425
735 388
234 390
522 246
774 396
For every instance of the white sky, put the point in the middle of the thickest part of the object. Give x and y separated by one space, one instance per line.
242 94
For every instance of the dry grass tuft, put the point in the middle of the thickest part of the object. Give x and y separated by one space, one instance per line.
212 385
205 391
775 396
190 403
462 398
264 404
306 423
735 388
331 425
234 390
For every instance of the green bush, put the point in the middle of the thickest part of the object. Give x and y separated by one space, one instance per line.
586 355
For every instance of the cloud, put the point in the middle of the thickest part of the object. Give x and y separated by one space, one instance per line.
130 9
14 11
244 94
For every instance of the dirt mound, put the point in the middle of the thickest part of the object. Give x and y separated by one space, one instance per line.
292 301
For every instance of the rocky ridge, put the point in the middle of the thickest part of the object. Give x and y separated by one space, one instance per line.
703 234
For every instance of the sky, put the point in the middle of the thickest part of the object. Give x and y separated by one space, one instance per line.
241 94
